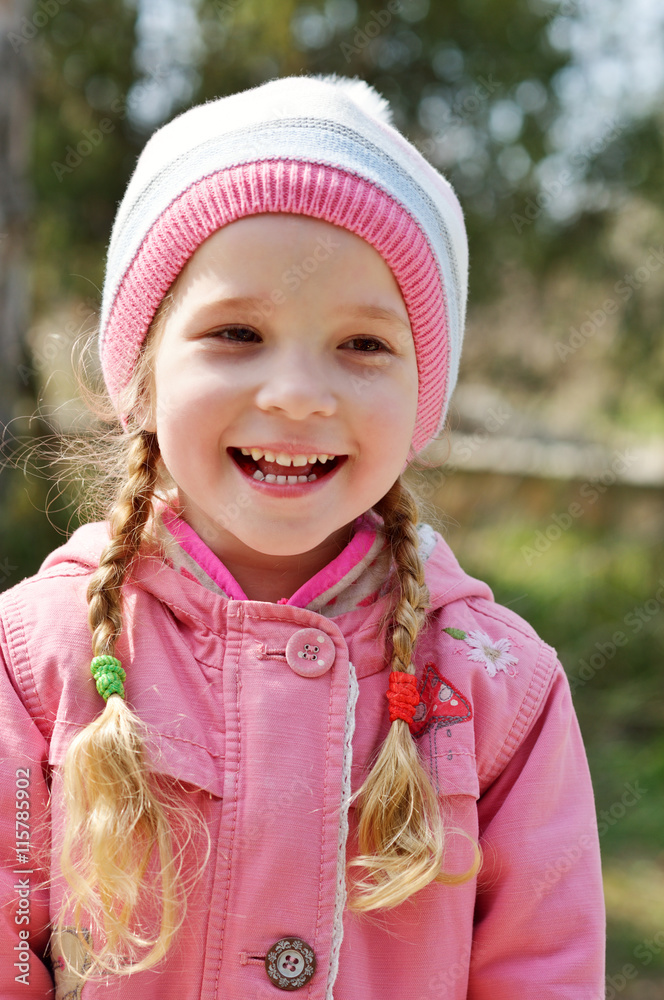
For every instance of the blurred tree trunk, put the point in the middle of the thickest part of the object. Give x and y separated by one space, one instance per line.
15 107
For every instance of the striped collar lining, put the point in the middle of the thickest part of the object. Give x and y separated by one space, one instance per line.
354 578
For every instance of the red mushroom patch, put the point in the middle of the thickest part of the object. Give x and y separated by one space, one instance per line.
440 704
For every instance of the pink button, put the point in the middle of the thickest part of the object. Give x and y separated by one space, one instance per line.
310 652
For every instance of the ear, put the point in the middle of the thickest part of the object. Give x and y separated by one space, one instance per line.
144 416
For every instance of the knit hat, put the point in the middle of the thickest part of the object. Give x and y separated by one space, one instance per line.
321 146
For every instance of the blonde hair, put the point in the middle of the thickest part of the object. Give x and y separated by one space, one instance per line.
108 848
121 818
400 824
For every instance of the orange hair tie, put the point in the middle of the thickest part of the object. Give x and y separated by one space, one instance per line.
403 696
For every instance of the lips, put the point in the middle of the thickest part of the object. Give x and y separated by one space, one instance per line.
264 469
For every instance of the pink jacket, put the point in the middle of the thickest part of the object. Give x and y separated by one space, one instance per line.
270 733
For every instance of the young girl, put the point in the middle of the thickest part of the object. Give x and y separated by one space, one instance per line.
259 724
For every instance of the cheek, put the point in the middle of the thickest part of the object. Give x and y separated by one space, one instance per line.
182 431
185 394
389 411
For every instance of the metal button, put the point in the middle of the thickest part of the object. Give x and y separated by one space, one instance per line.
310 652
290 963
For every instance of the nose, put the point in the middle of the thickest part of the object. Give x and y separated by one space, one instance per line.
298 385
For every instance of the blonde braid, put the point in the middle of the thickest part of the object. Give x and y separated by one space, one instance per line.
127 522
398 509
401 832
117 817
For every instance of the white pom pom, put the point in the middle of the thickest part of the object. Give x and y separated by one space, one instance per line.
362 94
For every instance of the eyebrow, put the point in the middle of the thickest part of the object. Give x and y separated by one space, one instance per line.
255 302
378 312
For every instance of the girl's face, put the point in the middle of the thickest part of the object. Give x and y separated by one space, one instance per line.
287 353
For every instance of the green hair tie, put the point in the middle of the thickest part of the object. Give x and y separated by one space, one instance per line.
109 676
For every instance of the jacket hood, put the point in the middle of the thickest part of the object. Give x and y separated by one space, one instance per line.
359 576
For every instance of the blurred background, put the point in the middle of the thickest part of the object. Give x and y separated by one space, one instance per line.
546 115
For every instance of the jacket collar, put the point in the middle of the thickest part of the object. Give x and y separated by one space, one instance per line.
354 577
185 575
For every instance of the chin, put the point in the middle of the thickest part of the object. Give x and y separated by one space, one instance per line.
283 546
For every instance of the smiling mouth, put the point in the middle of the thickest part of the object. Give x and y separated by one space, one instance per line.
265 469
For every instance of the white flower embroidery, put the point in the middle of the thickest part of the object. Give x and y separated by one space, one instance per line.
494 654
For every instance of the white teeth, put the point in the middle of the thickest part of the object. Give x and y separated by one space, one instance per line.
258 475
281 458
283 480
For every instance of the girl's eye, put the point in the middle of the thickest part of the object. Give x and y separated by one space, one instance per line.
245 335
367 345
237 334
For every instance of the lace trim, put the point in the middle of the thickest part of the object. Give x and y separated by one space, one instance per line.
428 540
340 897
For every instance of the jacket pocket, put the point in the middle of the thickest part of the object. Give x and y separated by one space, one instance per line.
450 761
186 760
